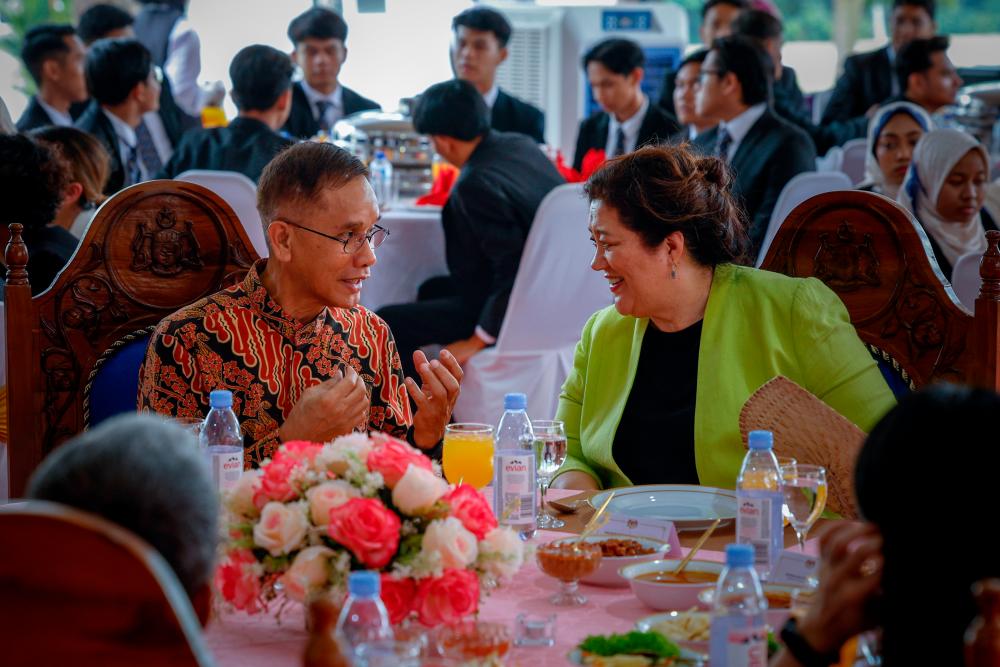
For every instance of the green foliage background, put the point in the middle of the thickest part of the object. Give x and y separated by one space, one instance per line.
21 15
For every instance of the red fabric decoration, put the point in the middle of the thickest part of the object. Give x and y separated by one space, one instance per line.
441 188
592 159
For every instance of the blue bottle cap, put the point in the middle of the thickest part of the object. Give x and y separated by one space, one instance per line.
379 155
739 555
221 398
364 583
761 440
515 402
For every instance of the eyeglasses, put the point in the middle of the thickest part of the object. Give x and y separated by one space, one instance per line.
705 73
352 241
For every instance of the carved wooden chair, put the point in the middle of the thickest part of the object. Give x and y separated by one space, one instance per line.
73 351
876 257
118 603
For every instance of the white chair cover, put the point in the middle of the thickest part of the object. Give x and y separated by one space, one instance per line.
800 188
832 161
240 193
965 279
554 294
853 163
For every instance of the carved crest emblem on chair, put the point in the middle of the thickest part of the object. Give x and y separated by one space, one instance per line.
845 263
164 247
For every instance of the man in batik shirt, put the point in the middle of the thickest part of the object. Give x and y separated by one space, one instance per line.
304 361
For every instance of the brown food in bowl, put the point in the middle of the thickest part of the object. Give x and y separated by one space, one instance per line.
568 561
778 599
616 548
685 577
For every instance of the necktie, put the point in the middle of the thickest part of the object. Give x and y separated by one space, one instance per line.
619 143
723 144
147 150
132 173
322 106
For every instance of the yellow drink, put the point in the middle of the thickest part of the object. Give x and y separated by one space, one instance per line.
468 454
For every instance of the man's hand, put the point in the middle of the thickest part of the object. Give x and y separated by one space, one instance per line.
435 398
327 410
463 350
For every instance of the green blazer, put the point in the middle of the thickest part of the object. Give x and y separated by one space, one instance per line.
757 325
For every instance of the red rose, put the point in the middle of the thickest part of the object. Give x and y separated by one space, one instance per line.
397 596
447 599
391 457
274 481
368 529
237 581
470 507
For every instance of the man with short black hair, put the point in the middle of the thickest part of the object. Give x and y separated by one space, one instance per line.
262 80
503 179
124 85
54 56
614 69
926 75
479 45
319 36
868 78
686 85
102 21
762 150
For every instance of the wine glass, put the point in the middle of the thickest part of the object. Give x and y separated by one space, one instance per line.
468 454
550 453
785 462
805 497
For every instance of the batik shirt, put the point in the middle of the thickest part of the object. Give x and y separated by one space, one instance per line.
241 340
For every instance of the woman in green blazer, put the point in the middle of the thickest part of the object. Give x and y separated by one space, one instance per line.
659 379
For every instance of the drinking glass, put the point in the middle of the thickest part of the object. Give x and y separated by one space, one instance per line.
550 453
805 497
468 454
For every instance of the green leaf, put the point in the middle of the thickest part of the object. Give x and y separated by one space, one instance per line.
635 643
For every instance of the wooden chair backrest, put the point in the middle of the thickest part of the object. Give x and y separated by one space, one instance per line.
150 250
76 589
876 257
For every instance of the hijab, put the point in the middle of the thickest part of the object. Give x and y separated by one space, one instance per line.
873 172
935 156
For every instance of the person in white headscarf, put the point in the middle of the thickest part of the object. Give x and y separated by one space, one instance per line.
945 188
893 132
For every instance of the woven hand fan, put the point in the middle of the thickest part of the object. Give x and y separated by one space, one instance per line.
810 431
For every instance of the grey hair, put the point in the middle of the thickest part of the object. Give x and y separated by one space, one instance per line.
145 474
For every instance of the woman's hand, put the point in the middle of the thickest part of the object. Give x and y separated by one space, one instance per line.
574 479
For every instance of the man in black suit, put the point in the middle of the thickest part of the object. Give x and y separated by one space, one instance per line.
687 82
503 179
614 70
319 101
763 151
54 56
262 81
868 78
926 75
123 85
479 45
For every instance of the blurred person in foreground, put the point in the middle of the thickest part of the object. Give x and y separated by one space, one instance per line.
88 163
880 573
660 377
893 133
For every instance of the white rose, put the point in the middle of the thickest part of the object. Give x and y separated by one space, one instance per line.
239 500
324 497
501 553
334 456
455 545
281 528
309 571
417 490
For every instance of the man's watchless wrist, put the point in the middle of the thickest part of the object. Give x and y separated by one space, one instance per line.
806 646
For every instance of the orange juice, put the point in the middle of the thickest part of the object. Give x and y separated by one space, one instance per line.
468 457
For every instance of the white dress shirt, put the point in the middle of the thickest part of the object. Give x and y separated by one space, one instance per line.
336 99
630 127
183 66
58 117
739 127
127 142
490 97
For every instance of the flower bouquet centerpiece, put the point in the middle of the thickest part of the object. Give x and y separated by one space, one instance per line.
300 523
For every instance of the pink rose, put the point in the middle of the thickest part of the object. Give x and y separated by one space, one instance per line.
281 528
368 529
447 599
397 596
417 490
240 500
309 571
300 450
275 482
324 497
238 580
391 457
470 507
451 541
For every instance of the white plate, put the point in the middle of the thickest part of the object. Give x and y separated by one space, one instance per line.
650 622
689 507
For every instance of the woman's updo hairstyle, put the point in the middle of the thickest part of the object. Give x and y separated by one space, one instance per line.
658 190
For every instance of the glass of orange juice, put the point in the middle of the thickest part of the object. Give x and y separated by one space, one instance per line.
468 454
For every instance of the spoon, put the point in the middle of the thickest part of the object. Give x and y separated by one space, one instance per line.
594 523
697 545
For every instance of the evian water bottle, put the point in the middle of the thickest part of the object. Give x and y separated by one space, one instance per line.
222 442
514 468
759 498
738 636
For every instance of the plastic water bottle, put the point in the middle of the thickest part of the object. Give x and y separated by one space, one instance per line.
514 467
363 619
739 615
222 442
381 177
759 499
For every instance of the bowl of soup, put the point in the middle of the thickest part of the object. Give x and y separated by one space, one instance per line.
779 601
655 583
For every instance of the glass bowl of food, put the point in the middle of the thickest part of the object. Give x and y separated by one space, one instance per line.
568 560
